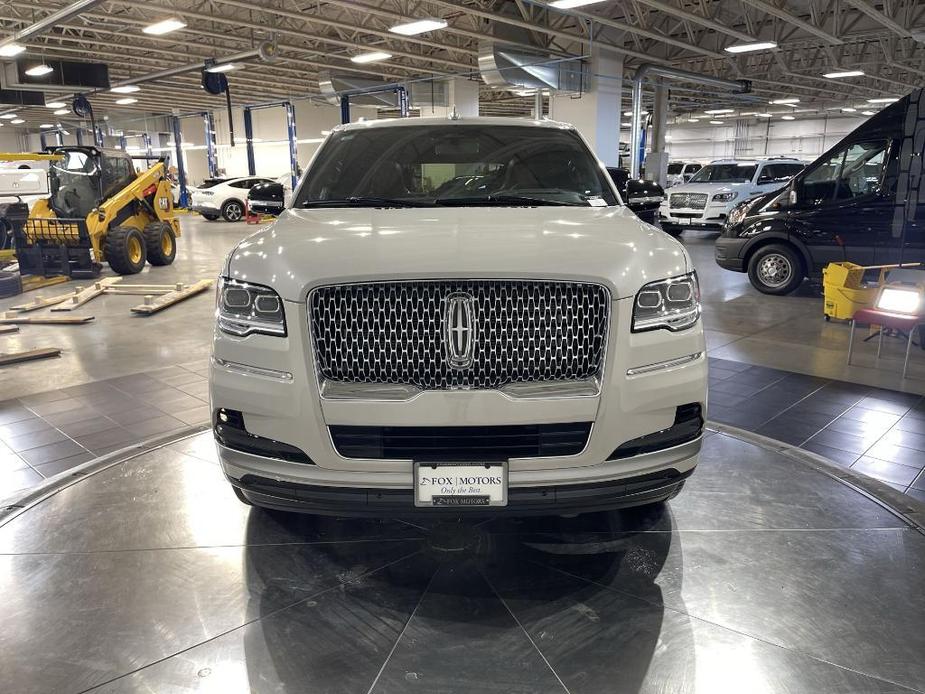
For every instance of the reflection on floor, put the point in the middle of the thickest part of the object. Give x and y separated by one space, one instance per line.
764 575
878 432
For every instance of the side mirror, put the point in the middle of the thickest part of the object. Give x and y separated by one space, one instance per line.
266 198
643 196
792 198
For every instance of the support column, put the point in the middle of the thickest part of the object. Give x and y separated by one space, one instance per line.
211 153
596 112
249 141
657 160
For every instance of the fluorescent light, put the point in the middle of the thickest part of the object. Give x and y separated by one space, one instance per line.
746 47
9 116
846 73
46 126
418 26
55 104
626 125
848 109
62 112
164 27
127 89
630 113
373 57
224 67
126 101
899 300
884 100
765 115
867 113
718 111
569 4
39 70
693 120
17 121
787 118
789 100
717 122
10 49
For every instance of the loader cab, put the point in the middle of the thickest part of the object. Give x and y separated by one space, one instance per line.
85 177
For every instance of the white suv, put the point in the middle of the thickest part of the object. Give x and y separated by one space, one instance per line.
705 201
225 199
681 171
457 316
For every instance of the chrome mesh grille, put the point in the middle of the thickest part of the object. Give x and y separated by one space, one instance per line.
524 331
691 201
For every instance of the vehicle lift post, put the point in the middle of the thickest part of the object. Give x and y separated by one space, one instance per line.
184 200
290 131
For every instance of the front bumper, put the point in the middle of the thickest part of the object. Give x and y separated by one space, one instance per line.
730 253
712 218
278 394
204 207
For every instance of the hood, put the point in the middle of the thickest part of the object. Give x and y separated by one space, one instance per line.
308 248
711 188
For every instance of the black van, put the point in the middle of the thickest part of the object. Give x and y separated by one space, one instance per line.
862 201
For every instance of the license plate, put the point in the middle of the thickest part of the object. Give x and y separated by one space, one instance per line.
460 484
683 220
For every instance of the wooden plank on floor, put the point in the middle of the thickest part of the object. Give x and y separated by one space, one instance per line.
131 291
31 355
153 305
11 318
82 296
40 302
6 329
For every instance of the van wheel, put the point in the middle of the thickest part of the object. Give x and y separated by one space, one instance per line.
125 250
775 269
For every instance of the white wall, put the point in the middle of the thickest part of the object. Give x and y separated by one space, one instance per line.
804 138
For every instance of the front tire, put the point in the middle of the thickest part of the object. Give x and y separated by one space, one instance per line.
161 243
207 215
233 211
125 250
775 269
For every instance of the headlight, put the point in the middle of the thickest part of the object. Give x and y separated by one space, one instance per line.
725 197
673 304
737 214
244 309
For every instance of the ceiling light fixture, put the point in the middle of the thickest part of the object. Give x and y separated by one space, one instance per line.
787 101
787 118
626 125
46 126
164 27
55 104
419 26
62 112
630 113
224 67
848 109
867 113
17 121
570 4
39 70
126 101
884 100
126 89
10 49
748 47
716 122
846 73
9 116
373 57
765 115
718 111
693 120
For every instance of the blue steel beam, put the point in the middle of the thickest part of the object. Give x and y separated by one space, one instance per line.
249 141
293 143
181 170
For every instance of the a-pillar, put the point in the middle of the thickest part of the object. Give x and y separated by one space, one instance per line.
656 163
596 111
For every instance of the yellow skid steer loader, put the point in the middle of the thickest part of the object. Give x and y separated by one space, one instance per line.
99 210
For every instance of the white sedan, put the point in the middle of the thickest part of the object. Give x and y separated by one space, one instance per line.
225 198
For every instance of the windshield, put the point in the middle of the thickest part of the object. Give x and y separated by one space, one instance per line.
725 173
461 165
74 183
674 169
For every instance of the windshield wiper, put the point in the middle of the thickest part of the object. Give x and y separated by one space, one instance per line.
360 201
505 200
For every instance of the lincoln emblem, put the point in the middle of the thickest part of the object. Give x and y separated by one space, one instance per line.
459 330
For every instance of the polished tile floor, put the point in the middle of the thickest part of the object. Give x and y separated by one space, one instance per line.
764 575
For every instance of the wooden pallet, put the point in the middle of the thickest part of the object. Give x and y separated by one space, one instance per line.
82 296
30 355
154 304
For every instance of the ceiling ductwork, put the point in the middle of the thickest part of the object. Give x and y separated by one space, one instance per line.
380 94
509 67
